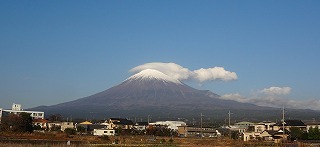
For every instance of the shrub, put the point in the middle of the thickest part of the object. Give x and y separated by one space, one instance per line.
70 131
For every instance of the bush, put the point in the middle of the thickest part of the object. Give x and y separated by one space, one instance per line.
70 131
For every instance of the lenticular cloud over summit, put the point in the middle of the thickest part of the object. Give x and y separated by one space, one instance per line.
181 73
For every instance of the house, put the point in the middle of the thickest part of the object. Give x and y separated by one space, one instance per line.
65 125
312 124
119 123
186 131
141 126
104 131
262 126
266 135
247 136
54 126
170 124
17 109
89 127
42 123
243 126
291 124
272 135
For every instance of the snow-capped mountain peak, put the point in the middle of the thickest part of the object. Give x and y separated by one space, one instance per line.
149 74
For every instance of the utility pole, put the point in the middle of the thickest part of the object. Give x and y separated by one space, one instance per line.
283 122
229 124
229 119
201 124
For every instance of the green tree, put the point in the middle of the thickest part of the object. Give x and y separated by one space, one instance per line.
296 133
314 133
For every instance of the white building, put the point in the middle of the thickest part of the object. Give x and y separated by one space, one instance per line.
170 124
0 115
104 131
17 109
65 125
262 126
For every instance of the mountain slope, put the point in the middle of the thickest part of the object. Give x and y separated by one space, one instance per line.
150 92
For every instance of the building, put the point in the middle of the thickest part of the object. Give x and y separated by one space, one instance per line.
312 124
89 127
104 131
243 126
186 131
262 126
271 135
42 123
122 123
270 131
170 124
0 115
141 126
288 124
17 109
52 126
65 125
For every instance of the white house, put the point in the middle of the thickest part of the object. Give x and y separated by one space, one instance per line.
262 126
103 131
170 124
312 124
65 125
141 125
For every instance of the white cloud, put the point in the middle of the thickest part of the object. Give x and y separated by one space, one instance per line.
271 97
276 90
235 97
171 69
215 73
181 73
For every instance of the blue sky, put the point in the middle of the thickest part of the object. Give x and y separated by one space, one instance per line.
57 51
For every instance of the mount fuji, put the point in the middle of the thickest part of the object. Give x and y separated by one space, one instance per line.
151 92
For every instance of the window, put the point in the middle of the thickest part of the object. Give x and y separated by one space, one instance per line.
111 132
105 131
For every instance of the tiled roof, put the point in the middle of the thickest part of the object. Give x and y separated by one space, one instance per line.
292 123
121 121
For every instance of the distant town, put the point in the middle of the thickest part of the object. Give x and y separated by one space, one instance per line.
16 120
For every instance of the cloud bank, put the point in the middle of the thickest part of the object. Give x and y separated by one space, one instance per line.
271 97
181 73
276 90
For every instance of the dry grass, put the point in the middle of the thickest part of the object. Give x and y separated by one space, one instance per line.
60 140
